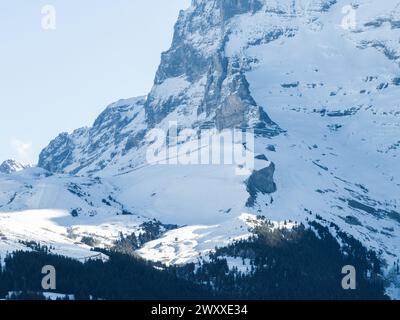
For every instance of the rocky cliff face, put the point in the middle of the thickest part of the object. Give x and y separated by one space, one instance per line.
208 81
197 84
115 132
202 81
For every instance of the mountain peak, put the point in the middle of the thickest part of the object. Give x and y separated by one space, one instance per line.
11 165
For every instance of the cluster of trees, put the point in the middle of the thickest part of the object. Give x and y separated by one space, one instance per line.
151 230
301 263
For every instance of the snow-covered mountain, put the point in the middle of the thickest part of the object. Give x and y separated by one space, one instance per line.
317 81
10 166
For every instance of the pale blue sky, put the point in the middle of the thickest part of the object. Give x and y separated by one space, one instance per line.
56 81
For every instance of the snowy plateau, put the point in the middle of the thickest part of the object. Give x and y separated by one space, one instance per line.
323 101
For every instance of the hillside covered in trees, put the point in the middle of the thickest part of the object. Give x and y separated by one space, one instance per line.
302 263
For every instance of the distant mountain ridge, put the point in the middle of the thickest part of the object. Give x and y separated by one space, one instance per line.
10 166
203 81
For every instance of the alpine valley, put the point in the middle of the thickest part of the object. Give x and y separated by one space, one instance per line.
324 103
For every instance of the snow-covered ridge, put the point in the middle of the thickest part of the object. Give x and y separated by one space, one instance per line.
114 133
202 81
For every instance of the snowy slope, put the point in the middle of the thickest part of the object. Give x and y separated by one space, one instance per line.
58 211
114 133
337 158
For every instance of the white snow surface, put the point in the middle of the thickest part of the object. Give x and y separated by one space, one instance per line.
37 206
